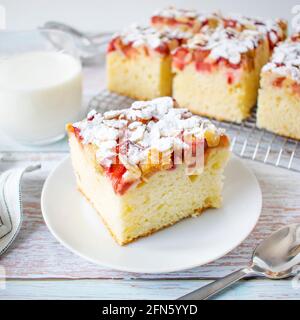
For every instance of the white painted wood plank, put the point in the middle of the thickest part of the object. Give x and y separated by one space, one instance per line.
149 289
37 254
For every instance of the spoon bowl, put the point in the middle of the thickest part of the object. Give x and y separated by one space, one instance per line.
278 253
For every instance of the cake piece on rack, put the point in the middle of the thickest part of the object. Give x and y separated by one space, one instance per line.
149 166
184 20
139 61
217 73
279 97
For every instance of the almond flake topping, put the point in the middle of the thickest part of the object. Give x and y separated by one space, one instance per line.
145 126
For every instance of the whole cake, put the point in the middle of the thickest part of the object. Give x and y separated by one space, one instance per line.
279 97
139 61
217 73
149 166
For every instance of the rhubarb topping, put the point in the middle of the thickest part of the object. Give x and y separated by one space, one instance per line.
226 47
162 42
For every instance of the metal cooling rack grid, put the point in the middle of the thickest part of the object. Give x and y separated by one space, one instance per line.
247 141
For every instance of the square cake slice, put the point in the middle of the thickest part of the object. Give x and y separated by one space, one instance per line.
217 73
149 166
139 62
279 97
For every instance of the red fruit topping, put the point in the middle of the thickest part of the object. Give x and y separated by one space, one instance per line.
179 58
233 66
230 78
181 53
123 187
296 37
201 55
203 66
190 23
278 82
204 23
128 50
163 49
118 146
230 23
170 21
77 133
111 46
228 64
156 19
296 88
116 44
115 173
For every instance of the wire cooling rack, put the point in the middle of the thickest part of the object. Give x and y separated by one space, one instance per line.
247 141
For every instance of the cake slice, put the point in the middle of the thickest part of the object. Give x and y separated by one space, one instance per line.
279 97
217 73
139 62
149 166
183 19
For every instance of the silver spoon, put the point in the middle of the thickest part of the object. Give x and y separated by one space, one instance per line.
90 46
273 258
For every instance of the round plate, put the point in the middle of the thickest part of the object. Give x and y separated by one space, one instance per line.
187 244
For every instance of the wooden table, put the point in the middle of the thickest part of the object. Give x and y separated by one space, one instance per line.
37 266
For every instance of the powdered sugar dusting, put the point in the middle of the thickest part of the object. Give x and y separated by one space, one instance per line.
270 27
286 60
177 13
138 36
226 43
146 126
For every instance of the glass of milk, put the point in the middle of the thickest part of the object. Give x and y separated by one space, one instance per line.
40 85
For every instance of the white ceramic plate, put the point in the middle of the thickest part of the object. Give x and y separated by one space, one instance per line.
190 243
